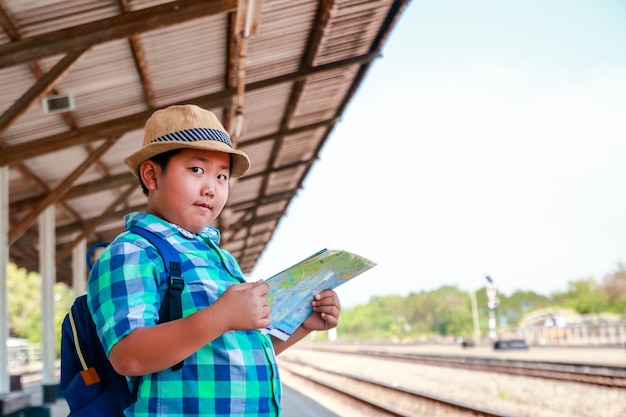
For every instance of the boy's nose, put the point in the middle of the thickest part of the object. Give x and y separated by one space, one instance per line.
208 189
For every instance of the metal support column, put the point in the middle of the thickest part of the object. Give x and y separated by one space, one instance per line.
79 268
47 265
5 383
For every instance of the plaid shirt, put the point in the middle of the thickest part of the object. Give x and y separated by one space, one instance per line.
234 375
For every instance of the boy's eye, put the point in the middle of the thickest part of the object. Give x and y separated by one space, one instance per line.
222 177
197 170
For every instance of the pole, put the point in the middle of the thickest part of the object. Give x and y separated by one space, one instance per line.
47 265
492 303
5 382
475 316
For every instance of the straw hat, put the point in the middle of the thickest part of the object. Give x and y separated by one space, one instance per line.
186 126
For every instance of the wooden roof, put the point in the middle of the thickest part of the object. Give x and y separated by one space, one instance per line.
287 69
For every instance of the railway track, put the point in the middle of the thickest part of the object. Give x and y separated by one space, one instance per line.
382 398
605 376
403 381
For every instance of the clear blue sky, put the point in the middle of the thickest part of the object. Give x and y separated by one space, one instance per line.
490 139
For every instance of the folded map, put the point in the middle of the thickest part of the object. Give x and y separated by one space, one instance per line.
292 290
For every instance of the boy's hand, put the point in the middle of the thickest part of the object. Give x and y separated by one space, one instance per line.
326 310
245 306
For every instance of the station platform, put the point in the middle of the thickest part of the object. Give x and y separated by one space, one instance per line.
294 405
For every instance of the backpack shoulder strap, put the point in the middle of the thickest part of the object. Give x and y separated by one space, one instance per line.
171 306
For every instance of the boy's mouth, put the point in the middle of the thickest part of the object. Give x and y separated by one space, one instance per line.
204 206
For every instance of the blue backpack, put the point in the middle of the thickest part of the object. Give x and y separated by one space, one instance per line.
89 383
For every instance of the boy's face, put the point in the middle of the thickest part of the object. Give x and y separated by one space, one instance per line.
192 191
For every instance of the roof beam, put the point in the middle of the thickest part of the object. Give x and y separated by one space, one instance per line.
81 190
58 192
322 19
78 227
119 180
320 24
138 59
105 30
18 153
41 87
93 224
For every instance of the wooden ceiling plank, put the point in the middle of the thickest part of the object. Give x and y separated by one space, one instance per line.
113 28
41 87
61 189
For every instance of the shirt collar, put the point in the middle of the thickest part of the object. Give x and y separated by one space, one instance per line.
165 229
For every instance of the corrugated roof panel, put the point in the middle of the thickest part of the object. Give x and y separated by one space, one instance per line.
129 143
285 179
259 155
274 207
37 17
299 147
260 111
260 229
232 245
179 62
240 233
33 124
187 60
352 29
245 190
322 94
143 4
105 84
15 81
256 236
20 189
92 206
108 231
277 46
57 166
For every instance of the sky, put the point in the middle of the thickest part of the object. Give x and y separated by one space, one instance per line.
489 139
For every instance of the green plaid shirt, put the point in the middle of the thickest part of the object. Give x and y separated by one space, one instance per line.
235 375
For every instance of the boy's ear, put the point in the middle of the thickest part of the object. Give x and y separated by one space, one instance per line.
148 173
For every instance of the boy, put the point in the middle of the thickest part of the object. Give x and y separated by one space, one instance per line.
228 365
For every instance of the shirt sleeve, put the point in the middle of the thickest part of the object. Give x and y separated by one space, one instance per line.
124 289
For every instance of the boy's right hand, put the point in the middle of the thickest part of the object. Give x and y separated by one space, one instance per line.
244 306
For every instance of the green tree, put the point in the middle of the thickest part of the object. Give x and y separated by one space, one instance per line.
446 311
512 308
614 286
585 296
24 304
381 318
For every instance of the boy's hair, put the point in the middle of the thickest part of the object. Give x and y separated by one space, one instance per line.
161 160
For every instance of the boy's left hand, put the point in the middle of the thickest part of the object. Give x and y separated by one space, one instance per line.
326 310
